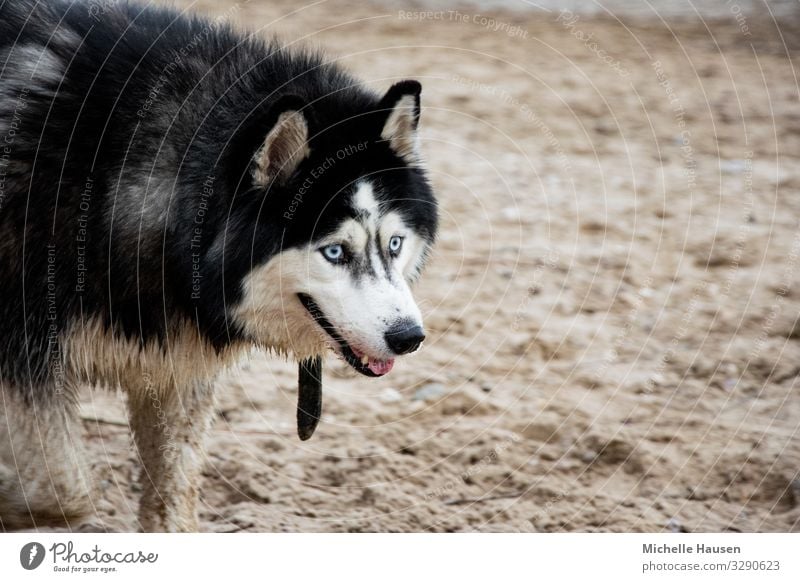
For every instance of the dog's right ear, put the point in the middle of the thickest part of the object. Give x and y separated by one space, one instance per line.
285 146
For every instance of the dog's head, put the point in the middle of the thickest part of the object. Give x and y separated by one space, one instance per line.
357 218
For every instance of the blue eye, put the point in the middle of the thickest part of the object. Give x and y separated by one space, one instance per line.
395 244
334 253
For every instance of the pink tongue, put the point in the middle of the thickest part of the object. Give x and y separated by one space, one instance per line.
380 367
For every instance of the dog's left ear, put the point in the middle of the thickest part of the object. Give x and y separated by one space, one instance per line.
285 146
402 101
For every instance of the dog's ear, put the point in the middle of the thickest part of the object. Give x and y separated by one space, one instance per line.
402 102
285 146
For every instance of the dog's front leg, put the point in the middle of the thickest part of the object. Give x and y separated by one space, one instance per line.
169 424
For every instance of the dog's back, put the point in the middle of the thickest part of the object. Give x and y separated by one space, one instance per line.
79 97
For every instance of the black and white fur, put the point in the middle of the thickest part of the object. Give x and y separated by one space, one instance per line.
173 193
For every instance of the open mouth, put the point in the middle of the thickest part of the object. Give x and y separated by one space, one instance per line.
358 360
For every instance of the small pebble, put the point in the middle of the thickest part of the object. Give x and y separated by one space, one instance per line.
429 392
390 395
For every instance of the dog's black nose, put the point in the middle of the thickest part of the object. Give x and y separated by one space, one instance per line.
404 337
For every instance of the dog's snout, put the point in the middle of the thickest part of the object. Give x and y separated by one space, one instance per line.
404 337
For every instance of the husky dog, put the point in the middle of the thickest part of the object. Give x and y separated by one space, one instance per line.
173 193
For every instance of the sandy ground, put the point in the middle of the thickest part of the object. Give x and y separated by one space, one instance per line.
612 307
